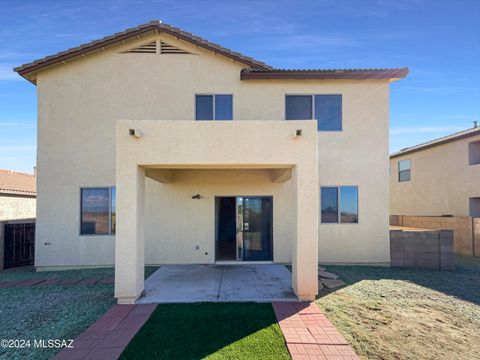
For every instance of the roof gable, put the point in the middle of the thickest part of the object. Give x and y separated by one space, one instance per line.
27 70
254 69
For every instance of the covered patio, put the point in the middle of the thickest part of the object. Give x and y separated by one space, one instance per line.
161 150
219 283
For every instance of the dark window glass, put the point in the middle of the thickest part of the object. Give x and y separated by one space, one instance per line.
474 153
348 204
298 107
474 203
95 211
404 170
223 107
328 112
329 202
404 175
113 210
204 107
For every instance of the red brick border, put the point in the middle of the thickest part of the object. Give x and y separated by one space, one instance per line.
110 335
309 335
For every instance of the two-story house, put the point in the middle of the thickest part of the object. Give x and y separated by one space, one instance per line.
156 146
439 177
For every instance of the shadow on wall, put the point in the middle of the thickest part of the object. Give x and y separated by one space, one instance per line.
463 282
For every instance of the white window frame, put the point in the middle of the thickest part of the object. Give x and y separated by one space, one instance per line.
398 170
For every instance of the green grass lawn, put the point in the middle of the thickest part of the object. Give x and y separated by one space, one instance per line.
211 331
51 312
392 313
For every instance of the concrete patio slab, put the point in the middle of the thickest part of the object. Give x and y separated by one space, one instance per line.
219 283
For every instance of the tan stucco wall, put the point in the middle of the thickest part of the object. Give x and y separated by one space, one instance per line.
180 217
441 182
16 207
80 101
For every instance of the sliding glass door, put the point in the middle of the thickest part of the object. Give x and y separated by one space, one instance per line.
254 228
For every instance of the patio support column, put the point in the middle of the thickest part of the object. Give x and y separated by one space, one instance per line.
305 244
129 239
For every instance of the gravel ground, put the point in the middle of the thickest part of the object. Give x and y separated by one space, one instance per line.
51 312
391 313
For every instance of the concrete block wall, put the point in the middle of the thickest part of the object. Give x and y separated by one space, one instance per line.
476 235
423 249
2 244
461 226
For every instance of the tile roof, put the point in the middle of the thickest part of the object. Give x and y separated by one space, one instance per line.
324 73
12 182
436 142
154 25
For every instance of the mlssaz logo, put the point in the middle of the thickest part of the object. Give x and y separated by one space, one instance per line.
52 343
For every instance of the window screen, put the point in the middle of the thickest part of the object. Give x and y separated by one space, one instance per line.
298 107
329 203
328 112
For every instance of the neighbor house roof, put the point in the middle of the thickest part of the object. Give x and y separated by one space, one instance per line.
324 73
255 69
12 182
440 141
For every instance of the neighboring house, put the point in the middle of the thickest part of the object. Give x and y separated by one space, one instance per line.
17 218
17 195
437 178
127 176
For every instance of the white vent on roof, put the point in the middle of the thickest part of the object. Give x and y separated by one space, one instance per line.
149 48
157 47
170 49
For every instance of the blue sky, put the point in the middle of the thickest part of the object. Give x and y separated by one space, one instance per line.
438 40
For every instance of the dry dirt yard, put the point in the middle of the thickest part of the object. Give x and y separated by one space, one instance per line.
388 313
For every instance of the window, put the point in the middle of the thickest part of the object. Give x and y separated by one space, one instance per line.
213 107
326 109
299 107
474 203
474 153
97 209
404 170
339 204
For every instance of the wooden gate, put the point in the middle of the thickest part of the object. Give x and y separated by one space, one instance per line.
19 244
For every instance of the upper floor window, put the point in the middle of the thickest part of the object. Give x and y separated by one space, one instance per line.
474 153
404 171
213 107
339 204
326 109
98 210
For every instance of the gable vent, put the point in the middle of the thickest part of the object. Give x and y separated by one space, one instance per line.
170 49
150 48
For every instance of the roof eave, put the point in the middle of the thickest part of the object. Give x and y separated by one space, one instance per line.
428 146
392 74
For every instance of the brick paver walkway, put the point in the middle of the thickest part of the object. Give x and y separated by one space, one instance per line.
309 334
108 337
57 281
